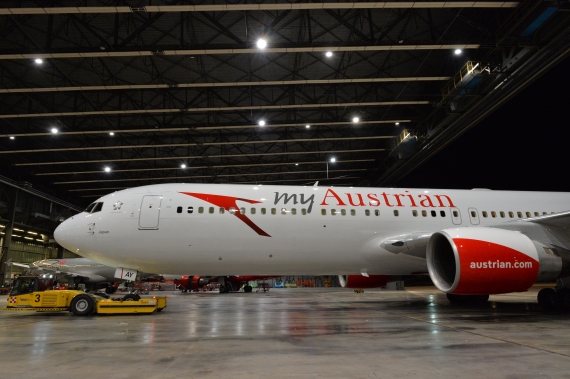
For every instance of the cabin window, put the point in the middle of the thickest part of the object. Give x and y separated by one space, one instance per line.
456 214
283 211
493 214
528 214
473 214
415 213
376 212
324 212
252 211
263 211
367 212
200 210
232 210
353 212
502 214
484 214
333 212
519 214
179 210
211 209
242 211
433 213
544 213
424 213
396 212
97 207
222 211
442 213
511 214
273 211
343 212
191 210
293 211
303 211
536 214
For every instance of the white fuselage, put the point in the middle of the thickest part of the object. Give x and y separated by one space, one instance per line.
283 229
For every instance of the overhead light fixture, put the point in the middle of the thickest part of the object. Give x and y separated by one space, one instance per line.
329 54
397 123
296 164
38 61
458 51
54 130
308 126
111 133
182 165
12 137
333 160
355 120
261 123
261 43
107 169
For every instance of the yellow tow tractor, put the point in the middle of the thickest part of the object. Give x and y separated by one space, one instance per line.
32 293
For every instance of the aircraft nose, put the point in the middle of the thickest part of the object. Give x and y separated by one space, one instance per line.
59 234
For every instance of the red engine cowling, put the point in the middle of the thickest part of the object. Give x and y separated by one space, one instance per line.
359 281
480 261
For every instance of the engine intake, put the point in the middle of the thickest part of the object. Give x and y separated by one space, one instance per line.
478 261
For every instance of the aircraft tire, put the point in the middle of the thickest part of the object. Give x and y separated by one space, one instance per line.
82 305
223 289
247 288
131 297
545 298
562 300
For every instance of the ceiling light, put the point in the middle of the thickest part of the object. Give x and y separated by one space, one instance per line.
261 123
308 126
12 137
54 130
355 120
111 133
182 165
397 123
333 160
38 61
261 43
329 54
296 164
458 51
107 169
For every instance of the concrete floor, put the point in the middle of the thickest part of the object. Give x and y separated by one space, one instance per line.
295 333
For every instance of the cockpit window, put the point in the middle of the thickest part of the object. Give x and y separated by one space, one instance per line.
97 207
88 209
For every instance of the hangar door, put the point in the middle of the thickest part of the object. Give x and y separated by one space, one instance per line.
150 211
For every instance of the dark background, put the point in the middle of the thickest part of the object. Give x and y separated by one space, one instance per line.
524 145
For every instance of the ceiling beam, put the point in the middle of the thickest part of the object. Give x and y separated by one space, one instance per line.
260 7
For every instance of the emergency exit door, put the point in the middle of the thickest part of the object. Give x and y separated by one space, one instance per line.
150 212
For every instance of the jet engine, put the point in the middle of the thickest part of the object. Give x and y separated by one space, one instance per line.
481 261
359 281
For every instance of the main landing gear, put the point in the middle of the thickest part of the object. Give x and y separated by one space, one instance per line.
555 299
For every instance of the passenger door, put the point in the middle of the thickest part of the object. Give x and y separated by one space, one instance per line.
150 212
473 216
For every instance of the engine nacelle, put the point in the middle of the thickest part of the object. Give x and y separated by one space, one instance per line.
481 261
359 281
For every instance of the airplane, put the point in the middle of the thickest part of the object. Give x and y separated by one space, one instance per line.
472 243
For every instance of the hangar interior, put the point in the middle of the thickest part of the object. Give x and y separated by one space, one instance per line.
108 95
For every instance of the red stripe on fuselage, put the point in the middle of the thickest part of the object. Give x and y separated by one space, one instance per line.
228 202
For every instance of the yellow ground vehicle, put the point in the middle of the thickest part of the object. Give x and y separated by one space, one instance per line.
30 293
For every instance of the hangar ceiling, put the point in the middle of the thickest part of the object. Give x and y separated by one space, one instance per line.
145 87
